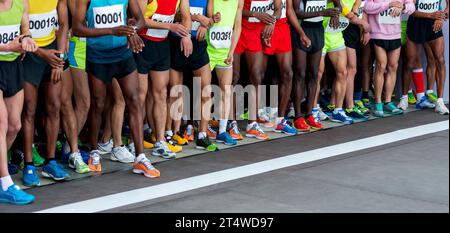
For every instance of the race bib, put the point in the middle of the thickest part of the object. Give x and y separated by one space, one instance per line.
385 18
343 24
259 6
220 37
42 25
428 6
8 34
361 9
315 6
196 11
160 33
109 16
283 9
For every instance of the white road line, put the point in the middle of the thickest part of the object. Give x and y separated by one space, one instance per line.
196 182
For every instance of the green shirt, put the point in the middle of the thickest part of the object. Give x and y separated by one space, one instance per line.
10 22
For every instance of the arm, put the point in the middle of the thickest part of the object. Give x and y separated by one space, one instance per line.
173 27
28 43
409 7
302 14
236 32
356 6
372 8
186 42
353 18
63 31
290 13
137 14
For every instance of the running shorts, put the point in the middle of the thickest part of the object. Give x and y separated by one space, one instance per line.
388 45
155 56
106 72
315 33
195 61
281 40
77 53
420 30
250 40
11 77
352 36
333 42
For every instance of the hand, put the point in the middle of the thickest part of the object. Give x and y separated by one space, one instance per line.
264 17
201 33
123 31
395 12
179 29
438 15
334 22
396 4
229 60
267 42
135 43
28 45
186 46
268 31
437 26
365 38
332 12
306 42
51 56
15 46
365 26
217 17
204 21
56 75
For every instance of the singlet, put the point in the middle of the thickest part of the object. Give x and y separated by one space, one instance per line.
312 6
43 21
107 14
255 6
160 11
197 7
220 34
347 5
10 22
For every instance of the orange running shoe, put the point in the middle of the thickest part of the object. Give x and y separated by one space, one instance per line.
211 132
256 132
214 123
189 133
234 131
94 161
143 166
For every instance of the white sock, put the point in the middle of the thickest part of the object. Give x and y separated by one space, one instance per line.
140 157
429 91
6 182
249 126
336 110
223 125
146 126
201 135
66 148
410 91
440 100
169 133
279 119
404 96
420 95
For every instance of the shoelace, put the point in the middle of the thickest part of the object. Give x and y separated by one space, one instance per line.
147 164
235 128
95 158
257 128
189 131
211 129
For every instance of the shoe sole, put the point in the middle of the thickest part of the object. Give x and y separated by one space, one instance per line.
32 185
281 131
136 171
254 136
115 159
104 152
338 121
48 175
164 157
16 203
228 144
79 172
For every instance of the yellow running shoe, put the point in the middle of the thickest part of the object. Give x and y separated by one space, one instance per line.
180 140
148 145
174 148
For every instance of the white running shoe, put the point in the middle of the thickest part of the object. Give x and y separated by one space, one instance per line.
76 162
105 148
441 108
161 150
122 155
403 104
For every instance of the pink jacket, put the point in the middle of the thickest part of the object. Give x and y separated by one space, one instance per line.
383 30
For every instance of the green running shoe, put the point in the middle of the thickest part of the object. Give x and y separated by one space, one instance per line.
36 158
379 110
76 162
432 97
367 103
390 108
411 98
244 116
361 107
59 147
206 144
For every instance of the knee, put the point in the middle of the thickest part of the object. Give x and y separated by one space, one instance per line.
341 74
98 102
392 67
53 108
29 109
351 70
287 75
84 104
133 100
160 94
14 126
381 67
440 60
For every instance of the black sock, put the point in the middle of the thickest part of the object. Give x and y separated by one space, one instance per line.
365 95
48 160
25 164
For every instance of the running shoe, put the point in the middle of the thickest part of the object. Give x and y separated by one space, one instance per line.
403 104
206 144
226 139
131 148
76 162
244 116
378 110
390 108
180 140
319 114
301 125
13 169
142 165
14 195
291 113
324 100
55 171
254 131
59 146
355 113
424 103
341 117
211 132
148 145
411 98
36 158
122 154
234 132
214 123
162 150
30 177
329 109
432 97
189 133
94 162
105 148
440 107
361 107
367 103
313 123
284 127
263 116
173 147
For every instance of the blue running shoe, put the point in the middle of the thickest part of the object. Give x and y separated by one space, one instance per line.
286 128
30 177
12 169
424 103
226 139
85 156
14 195
55 171
341 117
